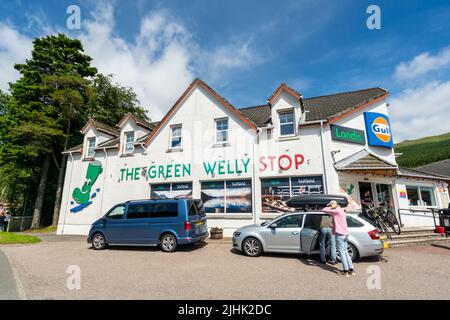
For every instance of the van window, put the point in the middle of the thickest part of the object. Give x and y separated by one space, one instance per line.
117 212
192 210
162 210
139 210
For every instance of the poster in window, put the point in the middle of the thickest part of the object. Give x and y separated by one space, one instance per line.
213 196
274 193
306 185
239 196
182 190
160 191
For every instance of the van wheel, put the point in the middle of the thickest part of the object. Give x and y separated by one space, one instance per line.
252 247
168 243
98 241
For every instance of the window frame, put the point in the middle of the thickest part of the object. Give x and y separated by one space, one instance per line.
88 147
284 112
216 131
420 202
125 150
172 128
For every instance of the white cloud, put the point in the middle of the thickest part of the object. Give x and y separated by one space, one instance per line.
14 48
421 111
422 64
158 62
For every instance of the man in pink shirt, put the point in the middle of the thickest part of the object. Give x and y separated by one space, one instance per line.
340 232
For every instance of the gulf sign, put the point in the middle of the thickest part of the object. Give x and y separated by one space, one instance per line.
378 130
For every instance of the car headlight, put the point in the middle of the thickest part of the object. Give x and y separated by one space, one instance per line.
236 234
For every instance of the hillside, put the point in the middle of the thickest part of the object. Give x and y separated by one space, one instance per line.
423 151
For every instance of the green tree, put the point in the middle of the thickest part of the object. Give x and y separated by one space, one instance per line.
32 119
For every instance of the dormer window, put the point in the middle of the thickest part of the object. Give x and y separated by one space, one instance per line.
91 147
129 142
175 139
287 122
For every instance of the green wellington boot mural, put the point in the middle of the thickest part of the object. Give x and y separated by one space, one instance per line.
84 196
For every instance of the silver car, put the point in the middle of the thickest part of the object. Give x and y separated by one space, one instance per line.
299 233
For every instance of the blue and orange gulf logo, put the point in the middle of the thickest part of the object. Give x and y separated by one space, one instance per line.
378 130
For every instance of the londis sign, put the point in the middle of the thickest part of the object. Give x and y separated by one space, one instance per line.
213 168
345 134
378 130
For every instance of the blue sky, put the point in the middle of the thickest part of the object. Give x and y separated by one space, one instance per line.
244 49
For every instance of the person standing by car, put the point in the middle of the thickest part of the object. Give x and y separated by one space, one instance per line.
326 233
340 232
7 220
2 219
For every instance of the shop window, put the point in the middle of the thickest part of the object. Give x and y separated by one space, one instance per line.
129 142
427 196
275 191
413 195
222 130
175 140
91 147
234 196
171 190
287 123
421 196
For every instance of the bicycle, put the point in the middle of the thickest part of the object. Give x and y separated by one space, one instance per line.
384 218
390 218
374 214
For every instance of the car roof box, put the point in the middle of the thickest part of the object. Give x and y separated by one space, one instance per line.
315 201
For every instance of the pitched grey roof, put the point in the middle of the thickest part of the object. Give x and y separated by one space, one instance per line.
111 143
77 148
364 160
259 115
320 108
408 172
439 167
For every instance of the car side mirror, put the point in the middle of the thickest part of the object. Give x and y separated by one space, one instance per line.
273 226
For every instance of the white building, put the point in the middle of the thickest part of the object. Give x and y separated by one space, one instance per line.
243 163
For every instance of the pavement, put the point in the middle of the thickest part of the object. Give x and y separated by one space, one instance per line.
8 287
213 270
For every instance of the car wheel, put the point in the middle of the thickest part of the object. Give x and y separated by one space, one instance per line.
168 243
252 247
352 251
98 241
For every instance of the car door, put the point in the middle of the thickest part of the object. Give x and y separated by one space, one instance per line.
310 232
137 224
114 221
283 234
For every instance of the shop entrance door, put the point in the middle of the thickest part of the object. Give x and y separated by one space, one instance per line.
366 195
384 195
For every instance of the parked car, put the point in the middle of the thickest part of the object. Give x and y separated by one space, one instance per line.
315 201
164 222
298 233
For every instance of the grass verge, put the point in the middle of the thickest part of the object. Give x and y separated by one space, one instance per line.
48 229
14 238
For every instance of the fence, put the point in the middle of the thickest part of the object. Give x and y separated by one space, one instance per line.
19 224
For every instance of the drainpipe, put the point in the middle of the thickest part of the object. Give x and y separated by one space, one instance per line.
325 180
104 177
68 191
255 141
